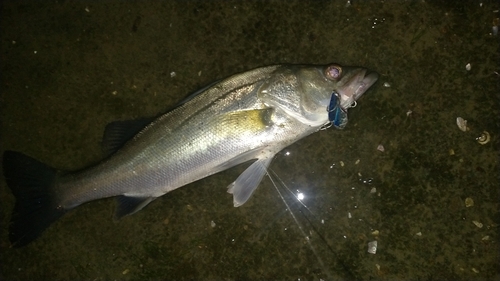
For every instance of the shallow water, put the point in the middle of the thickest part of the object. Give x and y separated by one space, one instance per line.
70 68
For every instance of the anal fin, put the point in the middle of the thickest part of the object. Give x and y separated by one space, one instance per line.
130 205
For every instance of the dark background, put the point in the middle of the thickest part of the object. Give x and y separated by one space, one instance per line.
70 67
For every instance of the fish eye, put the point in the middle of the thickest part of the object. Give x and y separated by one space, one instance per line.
333 72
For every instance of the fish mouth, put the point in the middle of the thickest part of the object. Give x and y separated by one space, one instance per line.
356 84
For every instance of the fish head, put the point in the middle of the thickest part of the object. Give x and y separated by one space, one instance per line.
305 92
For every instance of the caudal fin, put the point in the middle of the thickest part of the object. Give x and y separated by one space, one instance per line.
30 181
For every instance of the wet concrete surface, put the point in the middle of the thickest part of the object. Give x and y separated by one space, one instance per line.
69 68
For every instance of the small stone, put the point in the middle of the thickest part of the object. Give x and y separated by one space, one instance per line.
380 148
372 247
469 202
478 224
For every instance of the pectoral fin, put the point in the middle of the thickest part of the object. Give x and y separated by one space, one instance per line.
244 186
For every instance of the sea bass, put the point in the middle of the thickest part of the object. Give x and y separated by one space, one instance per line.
247 116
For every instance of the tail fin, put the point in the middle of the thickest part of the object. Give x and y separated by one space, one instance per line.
30 181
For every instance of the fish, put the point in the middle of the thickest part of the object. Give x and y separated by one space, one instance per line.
247 117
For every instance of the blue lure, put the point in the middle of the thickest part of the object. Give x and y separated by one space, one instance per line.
336 114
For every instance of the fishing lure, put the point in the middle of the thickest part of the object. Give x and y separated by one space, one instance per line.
336 114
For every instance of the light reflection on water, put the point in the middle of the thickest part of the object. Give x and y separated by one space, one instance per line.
299 197
328 209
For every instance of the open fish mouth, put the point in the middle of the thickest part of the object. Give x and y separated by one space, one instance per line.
355 86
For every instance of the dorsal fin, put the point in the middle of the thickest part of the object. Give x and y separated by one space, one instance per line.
118 133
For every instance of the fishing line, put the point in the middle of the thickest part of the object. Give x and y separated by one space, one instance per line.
327 272
299 225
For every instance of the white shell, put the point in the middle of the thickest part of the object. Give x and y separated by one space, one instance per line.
462 124
478 224
468 67
484 138
372 247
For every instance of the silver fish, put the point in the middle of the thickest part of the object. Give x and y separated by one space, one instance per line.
248 116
